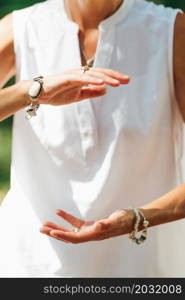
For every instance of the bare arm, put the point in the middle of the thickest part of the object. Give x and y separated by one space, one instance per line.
7 56
179 62
58 89
13 98
167 208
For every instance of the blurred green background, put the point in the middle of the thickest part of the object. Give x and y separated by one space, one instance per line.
7 6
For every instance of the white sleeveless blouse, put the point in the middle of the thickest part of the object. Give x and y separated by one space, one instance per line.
96 156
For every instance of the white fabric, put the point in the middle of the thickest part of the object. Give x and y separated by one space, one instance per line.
94 157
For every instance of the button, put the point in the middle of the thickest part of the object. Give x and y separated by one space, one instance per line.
86 133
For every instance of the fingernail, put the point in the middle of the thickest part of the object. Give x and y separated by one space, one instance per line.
59 211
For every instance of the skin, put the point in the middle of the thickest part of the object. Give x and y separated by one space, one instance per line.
80 11
168 208
59 88
179 63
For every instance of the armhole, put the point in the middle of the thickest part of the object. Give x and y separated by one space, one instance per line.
14 30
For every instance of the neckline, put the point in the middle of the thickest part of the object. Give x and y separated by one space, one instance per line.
112 20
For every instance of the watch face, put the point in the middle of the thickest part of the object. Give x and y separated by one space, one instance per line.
35 89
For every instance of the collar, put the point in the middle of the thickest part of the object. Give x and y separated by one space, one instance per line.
114 19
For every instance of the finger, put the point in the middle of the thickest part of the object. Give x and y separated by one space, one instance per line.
92 92
46 230
55 226
106 79
80 80
70 218
78 237
123 78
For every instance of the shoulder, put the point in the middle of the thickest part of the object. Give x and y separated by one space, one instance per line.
39 10
179 46
7 57
38 18
154 12
6 25
180 28
38 24
179 61
6 32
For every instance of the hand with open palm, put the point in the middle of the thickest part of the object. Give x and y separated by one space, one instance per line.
118 223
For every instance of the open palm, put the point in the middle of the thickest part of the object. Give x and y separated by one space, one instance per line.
118 223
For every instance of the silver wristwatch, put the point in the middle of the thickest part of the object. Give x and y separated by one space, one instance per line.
34 93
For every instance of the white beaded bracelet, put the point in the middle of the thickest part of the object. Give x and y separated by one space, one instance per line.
138 214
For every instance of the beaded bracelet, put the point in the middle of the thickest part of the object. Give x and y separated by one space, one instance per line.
138 240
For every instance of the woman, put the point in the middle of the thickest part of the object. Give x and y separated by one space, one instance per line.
94 159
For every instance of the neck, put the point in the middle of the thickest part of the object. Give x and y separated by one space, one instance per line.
89 13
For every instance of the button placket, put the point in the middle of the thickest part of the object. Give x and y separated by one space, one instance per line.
85 110
87 126
105 47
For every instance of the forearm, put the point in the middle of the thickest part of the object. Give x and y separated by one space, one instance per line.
167 208
14 98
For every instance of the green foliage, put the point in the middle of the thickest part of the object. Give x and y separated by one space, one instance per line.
5 151
7 6
172 3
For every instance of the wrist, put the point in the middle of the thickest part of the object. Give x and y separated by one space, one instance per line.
24 86
129 220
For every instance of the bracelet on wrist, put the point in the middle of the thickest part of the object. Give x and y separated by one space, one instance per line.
133 235
34 93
